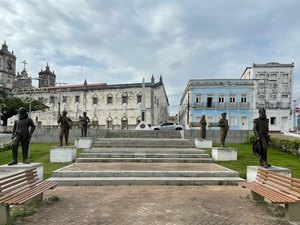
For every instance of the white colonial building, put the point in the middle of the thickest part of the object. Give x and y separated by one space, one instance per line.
111 106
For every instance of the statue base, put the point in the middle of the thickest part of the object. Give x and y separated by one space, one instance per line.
143 126
252 171
61 154
202 143
6 170
224 154
84 142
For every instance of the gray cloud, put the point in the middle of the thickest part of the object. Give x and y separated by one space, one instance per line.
123 41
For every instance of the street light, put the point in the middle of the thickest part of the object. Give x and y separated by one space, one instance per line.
60 96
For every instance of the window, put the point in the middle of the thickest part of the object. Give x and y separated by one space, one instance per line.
273 76
261 98
221 99
64 99
124 98
109 99
209 102
41 99
261 76
284 78
139 98
124 123
284 98
109 122
232 99
198 99
273 121
243 98
77 98
52 100
95 100
272 98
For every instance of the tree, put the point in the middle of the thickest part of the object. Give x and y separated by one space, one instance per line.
10 106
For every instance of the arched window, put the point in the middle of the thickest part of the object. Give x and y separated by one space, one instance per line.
109 122
124 123
109 99
124 98
139 98
95 99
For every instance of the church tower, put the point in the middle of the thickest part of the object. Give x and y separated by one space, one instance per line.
47 78
7 67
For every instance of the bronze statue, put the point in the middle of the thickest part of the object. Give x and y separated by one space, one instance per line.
203 127
21 133
65 126
223 124
84 120
261 129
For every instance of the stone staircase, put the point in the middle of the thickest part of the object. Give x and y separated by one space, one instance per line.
144 161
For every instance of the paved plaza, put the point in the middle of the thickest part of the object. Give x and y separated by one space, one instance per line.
159 205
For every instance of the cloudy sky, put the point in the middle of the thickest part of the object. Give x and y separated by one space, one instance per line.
124 41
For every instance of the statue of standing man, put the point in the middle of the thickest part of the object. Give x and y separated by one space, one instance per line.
65 126
261 130
223 124
21 133
84 124
203 127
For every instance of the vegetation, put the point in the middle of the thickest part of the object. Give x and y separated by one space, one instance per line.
38 153
275 157
30 209
10 106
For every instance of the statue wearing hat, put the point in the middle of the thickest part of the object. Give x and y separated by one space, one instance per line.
261 130
223 124
21 133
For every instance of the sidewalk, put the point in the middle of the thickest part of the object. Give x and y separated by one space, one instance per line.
159 205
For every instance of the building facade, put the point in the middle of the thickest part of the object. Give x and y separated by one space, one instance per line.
115 106
7 68
212 97
267 85
273 91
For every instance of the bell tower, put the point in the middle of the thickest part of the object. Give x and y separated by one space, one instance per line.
47 78
7 67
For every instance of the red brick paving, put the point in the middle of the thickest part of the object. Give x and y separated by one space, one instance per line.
157 205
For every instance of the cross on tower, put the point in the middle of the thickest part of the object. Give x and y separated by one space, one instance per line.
24 62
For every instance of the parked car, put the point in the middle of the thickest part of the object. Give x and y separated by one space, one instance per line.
168 126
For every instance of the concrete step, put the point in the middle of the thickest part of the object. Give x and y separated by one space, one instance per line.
145 150
140 155
143 134
144 173
146 160
101 181
143 142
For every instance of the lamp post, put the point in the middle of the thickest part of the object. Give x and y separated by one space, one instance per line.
60 96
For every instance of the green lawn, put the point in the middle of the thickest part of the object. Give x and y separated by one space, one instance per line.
41 153
275 157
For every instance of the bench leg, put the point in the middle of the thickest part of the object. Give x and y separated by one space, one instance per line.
292 211
256 197
39 197
4 214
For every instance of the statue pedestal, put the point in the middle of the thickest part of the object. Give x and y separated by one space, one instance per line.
61 154
202 143
252 171
224 154
84 142
143 126
6 170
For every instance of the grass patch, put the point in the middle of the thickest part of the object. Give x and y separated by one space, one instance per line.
38 153
30 209
247 158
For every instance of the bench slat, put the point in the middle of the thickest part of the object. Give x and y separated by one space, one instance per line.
282 180
272 195
15 174
32 192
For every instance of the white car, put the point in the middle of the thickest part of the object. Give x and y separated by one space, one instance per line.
168 126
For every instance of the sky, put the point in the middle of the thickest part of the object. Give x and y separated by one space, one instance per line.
124 41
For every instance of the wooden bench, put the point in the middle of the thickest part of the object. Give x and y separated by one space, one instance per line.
19 188
278 189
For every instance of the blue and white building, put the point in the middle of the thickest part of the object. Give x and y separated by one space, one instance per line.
267 85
